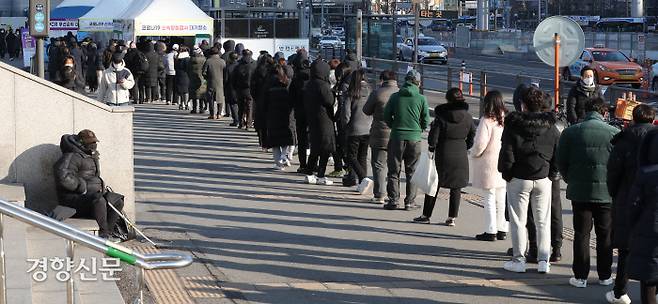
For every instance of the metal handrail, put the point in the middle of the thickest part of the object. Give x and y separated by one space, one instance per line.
74 235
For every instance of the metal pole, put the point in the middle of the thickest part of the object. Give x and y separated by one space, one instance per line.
70 287
223 22
3 270
539 10
416 30
359 35
557 70
41 70
140 286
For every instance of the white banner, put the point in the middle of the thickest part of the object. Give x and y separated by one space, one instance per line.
96 25
272 46
167 27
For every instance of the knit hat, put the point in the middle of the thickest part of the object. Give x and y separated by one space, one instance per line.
87 136
413 75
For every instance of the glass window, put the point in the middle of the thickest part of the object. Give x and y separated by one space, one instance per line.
609 56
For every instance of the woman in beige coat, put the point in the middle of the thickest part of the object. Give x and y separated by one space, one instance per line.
485 175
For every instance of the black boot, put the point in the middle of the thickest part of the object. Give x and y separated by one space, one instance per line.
501 236
490 237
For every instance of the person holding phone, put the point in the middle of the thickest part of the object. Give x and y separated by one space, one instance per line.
116 82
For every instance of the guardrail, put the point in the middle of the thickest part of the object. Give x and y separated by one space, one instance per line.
75 236
446 77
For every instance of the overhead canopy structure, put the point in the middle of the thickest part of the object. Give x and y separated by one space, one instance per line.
101 18
164 18
72 9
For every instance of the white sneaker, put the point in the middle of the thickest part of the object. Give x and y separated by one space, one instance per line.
331 161
578 283
278 167
311 179
514 266
287 163
324 181
610 297
365 186
378 200
607 282
544 267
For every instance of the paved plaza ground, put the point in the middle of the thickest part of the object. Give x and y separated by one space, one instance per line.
261 236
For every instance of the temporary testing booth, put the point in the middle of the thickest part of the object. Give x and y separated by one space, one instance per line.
64 17
163 18
99 21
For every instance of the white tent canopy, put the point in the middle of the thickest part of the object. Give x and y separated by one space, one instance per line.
69 3
101 18
164 18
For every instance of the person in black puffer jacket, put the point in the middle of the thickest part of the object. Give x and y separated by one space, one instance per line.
450 138
301 77
643 255
78 182
280 119
320 113
527 160
149 81
585 89
622 169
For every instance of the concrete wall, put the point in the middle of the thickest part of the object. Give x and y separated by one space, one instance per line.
35 114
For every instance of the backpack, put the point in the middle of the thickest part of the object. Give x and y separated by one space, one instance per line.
142 63
121 230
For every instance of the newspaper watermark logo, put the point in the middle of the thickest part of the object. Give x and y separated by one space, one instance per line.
88 269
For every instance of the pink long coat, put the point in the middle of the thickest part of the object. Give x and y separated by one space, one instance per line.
484 155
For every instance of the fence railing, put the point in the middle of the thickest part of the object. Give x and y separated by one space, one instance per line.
441 78
75 236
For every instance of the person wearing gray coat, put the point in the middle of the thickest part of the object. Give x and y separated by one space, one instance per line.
197 82
357 128
213 72
380 132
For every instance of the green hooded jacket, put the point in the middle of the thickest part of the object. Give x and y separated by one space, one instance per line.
582 158
407 113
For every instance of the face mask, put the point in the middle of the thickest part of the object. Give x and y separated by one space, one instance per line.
69 65
91 146
588 81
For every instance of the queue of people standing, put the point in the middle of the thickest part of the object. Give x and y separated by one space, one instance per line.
323 110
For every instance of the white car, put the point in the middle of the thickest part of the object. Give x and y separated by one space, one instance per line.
328 42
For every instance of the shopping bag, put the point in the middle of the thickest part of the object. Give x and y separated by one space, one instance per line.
425 176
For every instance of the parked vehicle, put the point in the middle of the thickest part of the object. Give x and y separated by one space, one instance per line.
429 50
610 66
330 42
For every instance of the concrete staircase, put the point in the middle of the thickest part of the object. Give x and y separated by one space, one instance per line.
23 242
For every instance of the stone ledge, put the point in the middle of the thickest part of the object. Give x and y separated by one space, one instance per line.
12 192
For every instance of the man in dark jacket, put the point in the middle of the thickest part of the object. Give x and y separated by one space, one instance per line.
302 74
78 181
135 60
241 81
229 92
80 63
585 89
380 132
229 48
527 160
407 114
3 43
582 159
320 114
213 72
622 169
149 81
643 255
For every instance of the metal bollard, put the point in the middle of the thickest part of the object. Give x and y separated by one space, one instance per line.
70 286
3 270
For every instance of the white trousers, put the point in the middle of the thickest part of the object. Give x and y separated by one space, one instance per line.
537 194
494 210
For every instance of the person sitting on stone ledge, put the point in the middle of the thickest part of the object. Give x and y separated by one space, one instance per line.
79 185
